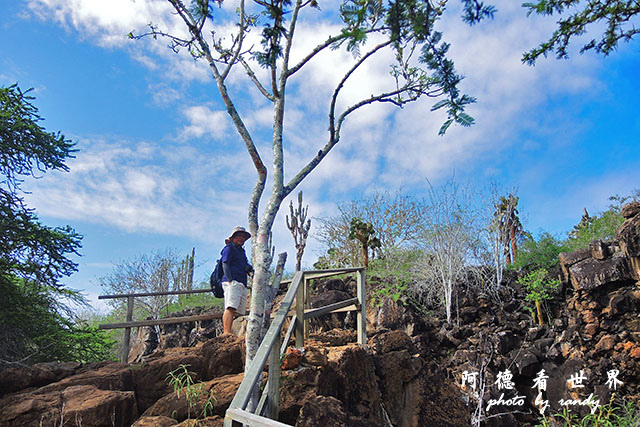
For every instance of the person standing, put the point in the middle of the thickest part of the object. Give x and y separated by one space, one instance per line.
236 267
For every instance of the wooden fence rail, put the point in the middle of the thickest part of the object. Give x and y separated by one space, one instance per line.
126 345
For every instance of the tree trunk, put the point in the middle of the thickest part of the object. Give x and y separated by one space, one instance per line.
512 235
365 255
539 309
299 258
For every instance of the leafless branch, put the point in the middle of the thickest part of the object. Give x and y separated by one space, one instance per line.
255 80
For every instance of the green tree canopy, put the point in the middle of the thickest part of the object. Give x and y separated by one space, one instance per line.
29 249
36 323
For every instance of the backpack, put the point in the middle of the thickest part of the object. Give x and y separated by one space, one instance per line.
215 281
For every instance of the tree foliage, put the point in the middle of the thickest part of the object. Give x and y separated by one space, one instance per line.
601 226
539 288
37 322
29 249
26 147
539 253
618 17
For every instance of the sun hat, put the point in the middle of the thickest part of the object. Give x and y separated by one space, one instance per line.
237 230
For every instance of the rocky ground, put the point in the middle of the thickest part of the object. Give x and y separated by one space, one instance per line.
416 370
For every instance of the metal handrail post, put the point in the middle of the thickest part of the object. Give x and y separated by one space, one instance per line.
362 312
300 317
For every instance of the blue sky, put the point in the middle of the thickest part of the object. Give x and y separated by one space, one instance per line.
160 165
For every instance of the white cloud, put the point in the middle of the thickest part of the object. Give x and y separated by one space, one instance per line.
204 122
137 188
107 22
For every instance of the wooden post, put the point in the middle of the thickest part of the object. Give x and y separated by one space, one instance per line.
273 399
362 312
126 344
300 315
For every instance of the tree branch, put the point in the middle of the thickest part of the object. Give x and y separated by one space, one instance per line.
239 40
289 36
233 113
255 80
334 98
331 40
334 137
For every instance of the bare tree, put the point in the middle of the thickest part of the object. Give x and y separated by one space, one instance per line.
299 227
396 217
450 242
159 271
404 28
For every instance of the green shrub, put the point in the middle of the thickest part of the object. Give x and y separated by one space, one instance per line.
539 287
540 253
601 226
52 333
396 273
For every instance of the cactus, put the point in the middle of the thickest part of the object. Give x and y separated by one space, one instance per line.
365 234
299 228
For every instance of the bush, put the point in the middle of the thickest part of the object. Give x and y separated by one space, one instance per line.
395 274
601 226
51 335
539 287
542 253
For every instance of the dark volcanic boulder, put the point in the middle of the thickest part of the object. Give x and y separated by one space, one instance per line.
628 236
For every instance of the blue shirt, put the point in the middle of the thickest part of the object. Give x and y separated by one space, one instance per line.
236 260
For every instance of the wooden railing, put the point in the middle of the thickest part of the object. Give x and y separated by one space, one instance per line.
126 345
273 346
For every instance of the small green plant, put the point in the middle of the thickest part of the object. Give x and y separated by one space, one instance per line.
182 381
538 286
609 415
395 291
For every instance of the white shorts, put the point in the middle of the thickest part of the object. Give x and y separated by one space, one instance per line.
235 296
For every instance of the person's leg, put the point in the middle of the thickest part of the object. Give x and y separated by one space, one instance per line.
227 319
235 295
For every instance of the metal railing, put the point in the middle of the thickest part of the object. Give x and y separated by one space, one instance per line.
266 412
